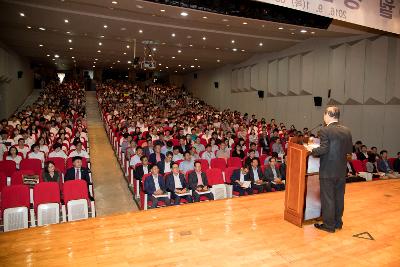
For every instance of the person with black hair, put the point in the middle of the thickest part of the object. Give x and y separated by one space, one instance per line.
142 169
238 179
57 152
78 172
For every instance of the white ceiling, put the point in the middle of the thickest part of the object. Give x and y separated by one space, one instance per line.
124 20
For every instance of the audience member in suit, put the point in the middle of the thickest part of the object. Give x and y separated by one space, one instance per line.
148 150
238 152
198 182
363 154
396 163
282 168
183 147
50 174
142 169
154 186
249 159
77 172
273 175
165 165
176 184
264 142
237 179
384 166
157 156
257 178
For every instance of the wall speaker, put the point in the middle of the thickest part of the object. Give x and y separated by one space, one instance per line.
260 94
317 101
195 76
216 85
19 74
329 93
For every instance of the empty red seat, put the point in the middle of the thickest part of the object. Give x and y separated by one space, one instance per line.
234 162
48 192
17 177
3 181
214 176
218 163
15 202
8 167
358 165
31 164
228 173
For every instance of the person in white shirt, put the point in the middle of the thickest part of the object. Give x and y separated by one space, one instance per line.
36 154
79 151
42 146
22 147
13 155
28 139
135 159
57 152
208 154
198 145
177 155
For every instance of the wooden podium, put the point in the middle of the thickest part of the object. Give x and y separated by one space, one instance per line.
302 196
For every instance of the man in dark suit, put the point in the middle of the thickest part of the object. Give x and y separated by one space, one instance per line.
396 163
363 154
264 142
165 165
273 175
154 187
176 184
77 172
142 169
198 182
156 156
258 181
237 179
336 143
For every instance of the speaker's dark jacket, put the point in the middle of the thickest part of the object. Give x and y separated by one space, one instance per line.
336 143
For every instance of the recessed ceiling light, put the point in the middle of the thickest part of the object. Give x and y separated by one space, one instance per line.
128 46
69 40
189 37
123 29
66 20
176 71
105 26
312 32
100 43
280 28
179 51
173 35
179 65
166 67
114 2
98 51
139 6
71 48
191 45
42 29
184 14
192 66
263 26
260 44
218 60
94 66
217 48
292 33
96 59
243 50
54 59
22 14
72 57
244 23
172 57
154 49
159 64
101 36
205 17
227 25
198 66
56 56
233 41
140 31
225 20
204 38
162 10
195 59
124 53
47 55
29 27
303 31
40 45
183 68
234 49
129 62
118 61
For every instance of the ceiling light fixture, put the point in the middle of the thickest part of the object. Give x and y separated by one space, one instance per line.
312 32
98 51
100 44
179 51
280 28
233 41
140 31
192 66
40 45
71 48
225 20
101 36
129 62
162 10
303 31
42 29
218 60
66 20
173 34
205 17
217 48
260 44
195 59
22 14
244 23
48 55
173 57
124 53
105 26
72 57
154 49
128 46
56 56
204 38
139 6
191 45
69 40
114 2
184 14
243 50
234 49
29 27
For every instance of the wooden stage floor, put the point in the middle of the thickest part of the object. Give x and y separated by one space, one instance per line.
246 231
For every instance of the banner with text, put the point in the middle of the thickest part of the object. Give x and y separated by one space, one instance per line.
379 14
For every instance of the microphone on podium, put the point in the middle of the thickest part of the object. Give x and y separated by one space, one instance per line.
319 125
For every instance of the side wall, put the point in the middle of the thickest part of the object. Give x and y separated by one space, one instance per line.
363 74
13 91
